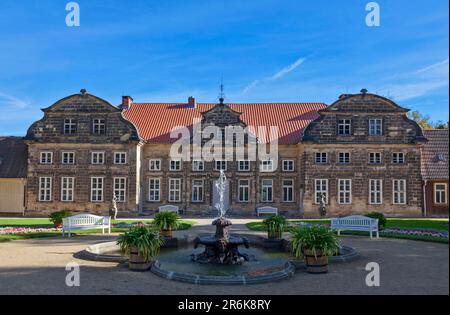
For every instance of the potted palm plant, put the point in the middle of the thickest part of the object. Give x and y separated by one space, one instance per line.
315 244
166 222
141 244
58 216
275 225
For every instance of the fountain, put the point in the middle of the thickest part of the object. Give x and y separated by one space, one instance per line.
221 248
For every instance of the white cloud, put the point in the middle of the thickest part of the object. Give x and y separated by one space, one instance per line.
10 100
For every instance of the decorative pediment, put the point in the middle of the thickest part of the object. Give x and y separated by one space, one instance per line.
222 115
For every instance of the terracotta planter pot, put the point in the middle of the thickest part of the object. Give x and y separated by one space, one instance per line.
137 262
167 233
315 263
58 225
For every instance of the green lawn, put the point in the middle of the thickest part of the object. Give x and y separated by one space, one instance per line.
46 223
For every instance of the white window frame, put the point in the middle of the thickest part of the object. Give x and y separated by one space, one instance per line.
345 123
375 153
373 127
443 193
288 165
67 152
375 193
45 188
156 189
265 194
344 153
399 193
288 187
242 188
316 191
122 156
198 190
345 195
198 166
121 191
97 123
67 189
46 157
318 157
266 166
174 191
152 163
221 163
174 165
243 166
398 158
71 125
97 191
98 154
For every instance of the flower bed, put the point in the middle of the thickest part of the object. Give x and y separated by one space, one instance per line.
419 232
25 230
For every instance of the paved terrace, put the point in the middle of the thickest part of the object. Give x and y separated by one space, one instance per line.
37 266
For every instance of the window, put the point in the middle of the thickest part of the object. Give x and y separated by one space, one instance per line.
120 157
154 189
175 189
98 126
267 190
266 166
344 127
67 187
46 158
197 190
45 188
399 191
97 157
244 190
321 188
398 157
243 166
68 158
70 126
345 191
288 190
120 188
375 191
440 193
375 127
344 158
221 165
154 165
321 157
198 166
175 165
375 158
96 189
288 165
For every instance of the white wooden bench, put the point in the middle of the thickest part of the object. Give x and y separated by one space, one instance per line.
266 210
355 223
86 222
169 208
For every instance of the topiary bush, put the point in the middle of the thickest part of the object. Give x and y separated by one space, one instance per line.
381 219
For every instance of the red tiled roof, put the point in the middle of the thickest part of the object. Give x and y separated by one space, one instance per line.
435 155
154 121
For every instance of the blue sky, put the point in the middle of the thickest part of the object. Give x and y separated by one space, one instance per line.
266 51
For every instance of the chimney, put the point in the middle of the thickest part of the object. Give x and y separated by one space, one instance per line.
127 101
191 102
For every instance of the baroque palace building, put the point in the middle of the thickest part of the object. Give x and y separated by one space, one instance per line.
362 153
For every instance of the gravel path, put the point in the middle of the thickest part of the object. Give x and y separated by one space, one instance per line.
37 266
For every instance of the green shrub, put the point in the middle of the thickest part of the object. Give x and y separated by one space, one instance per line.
58 216
145 239
381 219
314 238
275 225
166 221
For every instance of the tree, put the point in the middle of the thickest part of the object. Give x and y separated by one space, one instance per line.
423 121
440 125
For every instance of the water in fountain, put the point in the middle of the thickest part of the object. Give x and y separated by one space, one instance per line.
221 248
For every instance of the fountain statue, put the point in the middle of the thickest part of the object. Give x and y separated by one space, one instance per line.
221 248
114 210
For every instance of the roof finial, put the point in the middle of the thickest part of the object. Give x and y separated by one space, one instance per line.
83 91
364 91
221 95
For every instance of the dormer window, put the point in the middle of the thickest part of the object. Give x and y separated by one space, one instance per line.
344 127
99 126
70 126
375 127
